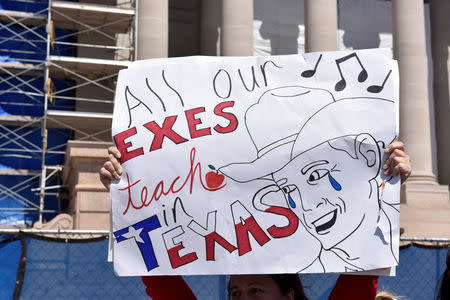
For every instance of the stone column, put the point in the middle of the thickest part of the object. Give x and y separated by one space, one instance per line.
440 42
209 28
320 25
410 50
236 35
425 204
152 29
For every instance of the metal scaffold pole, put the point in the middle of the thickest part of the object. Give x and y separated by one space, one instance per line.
44 132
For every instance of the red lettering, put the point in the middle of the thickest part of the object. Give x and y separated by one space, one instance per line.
144 194
177 261
290 228
130 201
193 122
158 191
218 110
211 239
167 131
122 146
242 231
164 131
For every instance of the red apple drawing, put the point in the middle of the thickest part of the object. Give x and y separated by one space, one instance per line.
214 179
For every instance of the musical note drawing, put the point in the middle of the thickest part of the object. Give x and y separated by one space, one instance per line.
341 84
310 73
378 88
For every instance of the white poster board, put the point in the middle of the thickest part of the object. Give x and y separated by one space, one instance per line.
236 165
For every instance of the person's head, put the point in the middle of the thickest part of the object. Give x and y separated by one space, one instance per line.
386 296
330 188
266 287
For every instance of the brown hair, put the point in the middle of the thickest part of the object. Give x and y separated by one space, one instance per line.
286 283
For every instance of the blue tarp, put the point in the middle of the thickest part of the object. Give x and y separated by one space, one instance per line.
10 205
30 138
18 44
28 6
9 261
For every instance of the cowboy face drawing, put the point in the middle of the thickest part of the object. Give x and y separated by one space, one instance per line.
325 157
330 189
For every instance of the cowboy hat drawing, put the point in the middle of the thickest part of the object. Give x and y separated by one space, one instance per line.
273 124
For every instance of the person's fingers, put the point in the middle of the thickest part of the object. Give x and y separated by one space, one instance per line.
116 164
395 153
390 162
110 168
402 168
398 163
386 166
395 145
396 148
399 152
398 159
114 151
405 168
105 177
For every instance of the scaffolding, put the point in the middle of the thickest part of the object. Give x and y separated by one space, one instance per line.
64 74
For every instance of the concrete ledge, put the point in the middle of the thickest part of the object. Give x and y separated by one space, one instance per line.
61 221
89 200
92 221
429 222
425 195
79 152
425 210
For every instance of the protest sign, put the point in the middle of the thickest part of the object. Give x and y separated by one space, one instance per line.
256 164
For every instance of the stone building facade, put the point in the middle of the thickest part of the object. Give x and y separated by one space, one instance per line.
227 28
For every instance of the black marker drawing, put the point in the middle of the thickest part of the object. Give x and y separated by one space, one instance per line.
211 235
311 73
341 84
379 88
128 97
175 91
304 186
173 241
255 83
154 93
177 204
263 70
229 84
332 180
